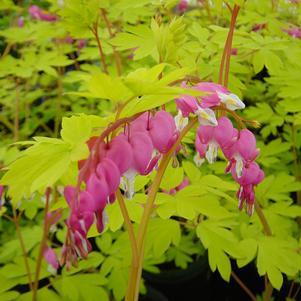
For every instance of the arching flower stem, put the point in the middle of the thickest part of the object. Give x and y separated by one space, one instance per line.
135 274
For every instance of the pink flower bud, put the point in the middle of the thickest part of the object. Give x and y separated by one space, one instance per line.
181 186
20 22
54 216
258 27
81 43
234 51
183 6
212 99
51 258
294 32
120 152
108 170
96 195
38 14
68 40
251 176
246 145
162 129
214 137
142 147
34 12
47 17
187 104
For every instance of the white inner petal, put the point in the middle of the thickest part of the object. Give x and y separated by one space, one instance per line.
206 117
250 209
238 165
51 269
211 153
84 242
198 160
105 218
82 224
128 183
240 194
180 121
232 101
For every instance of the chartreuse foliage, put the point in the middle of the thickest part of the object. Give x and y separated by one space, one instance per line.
43 78
49 159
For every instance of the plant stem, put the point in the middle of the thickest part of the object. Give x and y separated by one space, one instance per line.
230 34
297 292
42 247
15 219
6 50
115 52
274 4
120 107
221 67
268 292
243 286
226 57
229 7
94 30
129 227
266 227
267 230
135 274
290 290
227 49
207 7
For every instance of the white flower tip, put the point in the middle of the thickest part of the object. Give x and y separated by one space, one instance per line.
232 101
105 218
211 153
239 166
180 121
129 194
250 209
206 117
51 269
198 160
128 184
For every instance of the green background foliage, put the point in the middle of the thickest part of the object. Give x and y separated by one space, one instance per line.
55 95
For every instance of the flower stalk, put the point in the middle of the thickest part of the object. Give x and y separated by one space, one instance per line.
135 274
42 247
94 30
15 220
111 33
227 49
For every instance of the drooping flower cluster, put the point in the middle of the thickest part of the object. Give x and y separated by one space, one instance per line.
239 147
136 151
51 258
294 32
138 148
217 94
183 6
39 14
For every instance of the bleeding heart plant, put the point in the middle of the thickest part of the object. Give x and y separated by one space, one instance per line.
160 111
